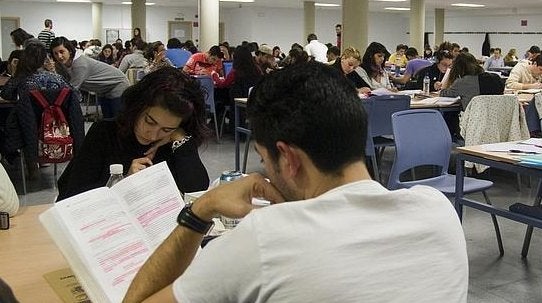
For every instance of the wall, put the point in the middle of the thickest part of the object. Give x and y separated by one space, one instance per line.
504 25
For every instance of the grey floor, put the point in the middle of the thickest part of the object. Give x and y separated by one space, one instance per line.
492 278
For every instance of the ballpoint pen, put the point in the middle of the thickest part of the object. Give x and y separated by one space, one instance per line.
517 151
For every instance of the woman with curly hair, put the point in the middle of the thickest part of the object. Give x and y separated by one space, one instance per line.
163 120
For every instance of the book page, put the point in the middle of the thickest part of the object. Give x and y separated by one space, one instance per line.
154 200
112 246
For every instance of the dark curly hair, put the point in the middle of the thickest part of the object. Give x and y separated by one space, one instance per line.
170 89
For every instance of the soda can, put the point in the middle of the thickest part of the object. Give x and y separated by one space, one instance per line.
228 177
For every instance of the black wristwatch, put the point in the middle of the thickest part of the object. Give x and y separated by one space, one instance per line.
188 219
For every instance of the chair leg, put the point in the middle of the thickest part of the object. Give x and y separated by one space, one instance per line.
245 157
518 179
23 173
222 121
376 172
216 128
496 225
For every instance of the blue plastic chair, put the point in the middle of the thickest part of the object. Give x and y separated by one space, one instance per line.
379 110
208 86
422 138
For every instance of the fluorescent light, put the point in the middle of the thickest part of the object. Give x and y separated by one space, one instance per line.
391 0
397 8
129 3
327 4
76 1
467 5
244 1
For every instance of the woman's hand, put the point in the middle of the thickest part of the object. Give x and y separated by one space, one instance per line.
364 90
438 85
139 164
176 135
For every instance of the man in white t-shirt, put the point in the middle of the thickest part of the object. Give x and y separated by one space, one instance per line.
316 49
341 237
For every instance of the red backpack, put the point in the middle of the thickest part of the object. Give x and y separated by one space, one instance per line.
55 145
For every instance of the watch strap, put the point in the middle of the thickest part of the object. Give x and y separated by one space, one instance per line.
188 219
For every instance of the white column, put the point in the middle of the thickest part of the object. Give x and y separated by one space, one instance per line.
208 22
355 24
439 26
97 27
5 58
139 17
417 24
309 15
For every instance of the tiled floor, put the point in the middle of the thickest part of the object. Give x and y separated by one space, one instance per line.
492 278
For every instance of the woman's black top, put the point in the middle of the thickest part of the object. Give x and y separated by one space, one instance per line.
104 146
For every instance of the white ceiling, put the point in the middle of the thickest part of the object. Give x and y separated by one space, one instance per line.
374 5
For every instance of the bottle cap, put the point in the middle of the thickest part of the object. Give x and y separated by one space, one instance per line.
115 169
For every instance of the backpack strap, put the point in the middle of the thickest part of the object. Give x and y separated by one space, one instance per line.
38 96
62 96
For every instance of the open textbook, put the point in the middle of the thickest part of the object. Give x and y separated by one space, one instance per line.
106 234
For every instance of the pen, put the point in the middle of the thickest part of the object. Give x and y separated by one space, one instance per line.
517 151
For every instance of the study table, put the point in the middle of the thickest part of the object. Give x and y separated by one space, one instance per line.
500 160
241 103
27 253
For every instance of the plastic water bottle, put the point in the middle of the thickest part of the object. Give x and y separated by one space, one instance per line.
116 174
426 84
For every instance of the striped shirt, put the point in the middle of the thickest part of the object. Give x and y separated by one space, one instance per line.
46 36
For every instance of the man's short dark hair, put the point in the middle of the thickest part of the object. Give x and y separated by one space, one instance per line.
311 37
411 52
314 107
48 22
534 49
174 43
334 50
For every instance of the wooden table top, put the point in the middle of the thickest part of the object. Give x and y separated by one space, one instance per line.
27 253
477 150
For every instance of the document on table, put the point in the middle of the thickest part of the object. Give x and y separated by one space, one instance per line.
437 100
512 147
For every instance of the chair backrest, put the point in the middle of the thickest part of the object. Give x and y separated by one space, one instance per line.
208 86
382 107
492 119
369 145
421 138
228 65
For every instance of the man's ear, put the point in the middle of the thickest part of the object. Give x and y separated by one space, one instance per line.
289 159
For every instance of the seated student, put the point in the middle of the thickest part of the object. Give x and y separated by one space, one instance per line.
163 120
205 63
495 60
436 71
9 201
310 130
468 79
176 53
526 74
29 76
156 57
346 64
372 69
135 58
11 64
90 75
398 58
413 66
333 53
